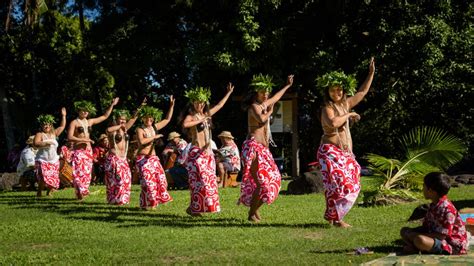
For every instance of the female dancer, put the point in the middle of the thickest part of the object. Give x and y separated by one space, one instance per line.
261 178
152 176
339 168
47 158
78 134
200 161
118 177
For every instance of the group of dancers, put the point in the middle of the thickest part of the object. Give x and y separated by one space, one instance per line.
261 179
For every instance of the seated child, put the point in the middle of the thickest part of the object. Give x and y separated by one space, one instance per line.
443 231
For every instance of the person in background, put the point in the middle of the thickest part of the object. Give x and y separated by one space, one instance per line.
47 158
443 231
99 153
26 166
174 156
228 158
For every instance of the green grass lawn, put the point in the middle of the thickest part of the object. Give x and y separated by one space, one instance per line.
61 230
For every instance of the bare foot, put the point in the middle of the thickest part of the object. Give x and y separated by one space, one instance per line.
254 219
257 215
188 211
341 224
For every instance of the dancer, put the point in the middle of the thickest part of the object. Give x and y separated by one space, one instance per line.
339 167
47 158
261 178
200 161
118 177
152 176
79 135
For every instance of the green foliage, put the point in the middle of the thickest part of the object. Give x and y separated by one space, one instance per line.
45 119
337 78
426 150
118 113
150 111
198 94
85 106
262 82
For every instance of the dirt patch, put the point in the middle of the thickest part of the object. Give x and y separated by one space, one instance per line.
313 235
41 246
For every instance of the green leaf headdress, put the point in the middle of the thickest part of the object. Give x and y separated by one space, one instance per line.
198 94
155 113
338 78
85 106
117 113
45 119
262 83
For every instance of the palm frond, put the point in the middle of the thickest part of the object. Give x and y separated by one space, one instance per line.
433 146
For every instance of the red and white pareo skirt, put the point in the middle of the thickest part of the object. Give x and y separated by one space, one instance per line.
341 179
48 172
82 161
268 175
201 167
118 179
153 181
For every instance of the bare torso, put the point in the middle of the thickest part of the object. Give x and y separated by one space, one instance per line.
200 134
81 130
149 148
257 130
336 136
119 143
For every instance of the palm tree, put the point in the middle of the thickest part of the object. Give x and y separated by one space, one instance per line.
427 149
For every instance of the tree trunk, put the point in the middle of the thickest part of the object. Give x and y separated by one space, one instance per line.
80 9
7 121
7 21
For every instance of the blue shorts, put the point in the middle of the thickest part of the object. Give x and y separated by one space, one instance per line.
438 248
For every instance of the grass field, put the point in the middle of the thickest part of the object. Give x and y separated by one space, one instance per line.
61 230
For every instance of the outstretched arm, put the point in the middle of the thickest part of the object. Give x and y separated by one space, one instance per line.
62 126
106 115
134 118
215 109
167 119
364 88
275 98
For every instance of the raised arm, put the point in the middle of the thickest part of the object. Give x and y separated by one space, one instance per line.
167 119
364 88
277 96
134 117
62 126
215 109
106 115
329 117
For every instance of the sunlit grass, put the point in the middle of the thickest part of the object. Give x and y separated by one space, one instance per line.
61 230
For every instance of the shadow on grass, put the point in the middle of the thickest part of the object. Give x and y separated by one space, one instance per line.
127 217
460 204
376 249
